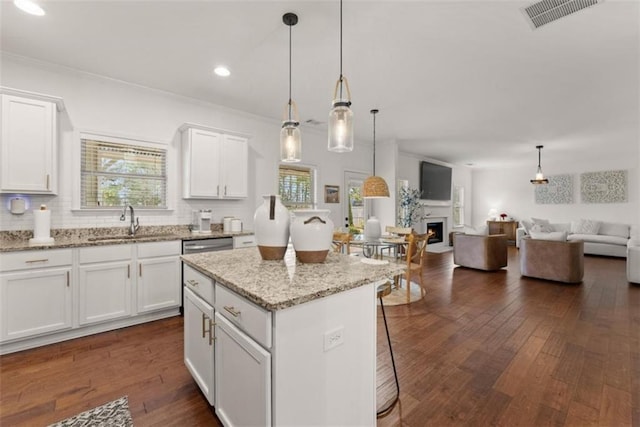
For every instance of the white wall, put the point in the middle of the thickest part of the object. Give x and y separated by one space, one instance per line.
509 191
99 104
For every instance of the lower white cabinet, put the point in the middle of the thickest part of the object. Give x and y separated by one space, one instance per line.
199 342
242 377
158 270
35 293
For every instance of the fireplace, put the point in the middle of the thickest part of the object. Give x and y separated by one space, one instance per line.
437 229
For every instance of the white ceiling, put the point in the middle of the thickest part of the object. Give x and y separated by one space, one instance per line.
459 81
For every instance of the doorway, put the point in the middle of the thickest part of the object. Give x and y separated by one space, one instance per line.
356 209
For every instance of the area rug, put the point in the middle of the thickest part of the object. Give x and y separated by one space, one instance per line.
399 296
439 249
112 414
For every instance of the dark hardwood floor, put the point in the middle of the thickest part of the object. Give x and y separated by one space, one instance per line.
480 349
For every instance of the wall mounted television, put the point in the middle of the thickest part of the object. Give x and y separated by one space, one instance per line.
435 183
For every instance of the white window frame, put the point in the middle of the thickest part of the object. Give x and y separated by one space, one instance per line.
458 203
314 183
120 139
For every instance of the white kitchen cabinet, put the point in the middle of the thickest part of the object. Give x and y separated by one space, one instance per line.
158 270
198 342
248 241
29 144
214 164
35 293
105 283
243 377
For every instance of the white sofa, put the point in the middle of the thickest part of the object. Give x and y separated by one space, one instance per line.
611 238
633 256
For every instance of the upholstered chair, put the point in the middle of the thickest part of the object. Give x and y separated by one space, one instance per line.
633 256
482 252
562 261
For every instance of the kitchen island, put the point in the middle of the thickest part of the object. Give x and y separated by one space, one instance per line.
290 343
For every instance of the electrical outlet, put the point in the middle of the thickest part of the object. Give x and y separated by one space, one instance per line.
333 338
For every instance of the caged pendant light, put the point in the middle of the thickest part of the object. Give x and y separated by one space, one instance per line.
341 116
374 186
290 139
540 179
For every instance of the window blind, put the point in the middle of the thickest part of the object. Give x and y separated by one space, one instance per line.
115 175
296 186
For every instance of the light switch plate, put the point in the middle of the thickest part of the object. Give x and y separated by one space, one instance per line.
333 338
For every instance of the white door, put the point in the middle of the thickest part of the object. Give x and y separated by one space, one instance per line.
198 343
355 207
35 302
104 292
158 283
234 167
204 161
28 139
243 378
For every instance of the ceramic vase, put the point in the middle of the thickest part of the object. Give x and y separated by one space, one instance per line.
311 234
372 230
271 224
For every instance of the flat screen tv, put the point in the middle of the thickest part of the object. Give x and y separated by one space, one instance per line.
435 182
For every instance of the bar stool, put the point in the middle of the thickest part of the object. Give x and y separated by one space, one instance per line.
382 291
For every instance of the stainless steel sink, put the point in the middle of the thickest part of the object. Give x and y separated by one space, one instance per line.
127 237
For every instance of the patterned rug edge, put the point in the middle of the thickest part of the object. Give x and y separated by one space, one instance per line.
112 414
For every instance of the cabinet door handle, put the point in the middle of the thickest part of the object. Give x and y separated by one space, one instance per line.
68 279
48 181
129 271
232 310
192 282
212 336
225 190
204 319
218 190
140 270
31 261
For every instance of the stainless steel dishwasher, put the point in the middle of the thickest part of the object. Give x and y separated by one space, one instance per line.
202 245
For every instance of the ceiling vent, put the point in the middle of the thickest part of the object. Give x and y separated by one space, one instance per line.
546 11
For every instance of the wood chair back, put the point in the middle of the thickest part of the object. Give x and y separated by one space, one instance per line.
400 231
341 242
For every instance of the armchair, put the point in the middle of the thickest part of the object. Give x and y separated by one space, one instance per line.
562 261
483 252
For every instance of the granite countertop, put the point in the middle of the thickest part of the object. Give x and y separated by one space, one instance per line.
275 285
11 241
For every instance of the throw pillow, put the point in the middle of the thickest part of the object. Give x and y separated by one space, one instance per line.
614 229
541 228
560 236
527 225
585 226
480 230
543 224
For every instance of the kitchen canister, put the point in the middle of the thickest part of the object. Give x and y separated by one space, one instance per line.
226 224
236 225
311 234
41 227
271 228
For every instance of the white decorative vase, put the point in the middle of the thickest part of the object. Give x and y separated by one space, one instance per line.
271 227
372 230
311 234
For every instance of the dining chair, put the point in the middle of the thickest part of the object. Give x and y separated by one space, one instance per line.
416 246
341 242
401 232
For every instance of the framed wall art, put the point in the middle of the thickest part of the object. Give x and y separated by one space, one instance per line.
559 190
332 194
604 187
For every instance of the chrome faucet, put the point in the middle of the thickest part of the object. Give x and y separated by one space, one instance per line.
133 227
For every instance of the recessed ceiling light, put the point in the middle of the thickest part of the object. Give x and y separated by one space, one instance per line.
222 71
29 7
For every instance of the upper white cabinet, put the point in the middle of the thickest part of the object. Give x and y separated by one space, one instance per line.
214 163
29 143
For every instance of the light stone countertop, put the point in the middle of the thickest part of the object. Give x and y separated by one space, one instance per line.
12 241
275 285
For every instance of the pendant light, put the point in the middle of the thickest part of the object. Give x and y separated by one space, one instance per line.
290 139
341 116
374 187
540 179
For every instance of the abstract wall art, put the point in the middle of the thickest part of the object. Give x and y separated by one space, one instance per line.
604 187
559 190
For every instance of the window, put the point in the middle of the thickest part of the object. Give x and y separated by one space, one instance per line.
296 187
115 174
458 206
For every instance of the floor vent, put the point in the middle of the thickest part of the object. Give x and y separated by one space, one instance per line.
546 11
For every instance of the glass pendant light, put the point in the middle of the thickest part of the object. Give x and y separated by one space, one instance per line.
341 116
540 179
374 186
290 139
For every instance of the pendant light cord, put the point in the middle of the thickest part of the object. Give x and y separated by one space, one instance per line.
290 72
539 151
374 144
340 49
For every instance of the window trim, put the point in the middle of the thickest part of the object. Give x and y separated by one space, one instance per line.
458 203
79 135
314 182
